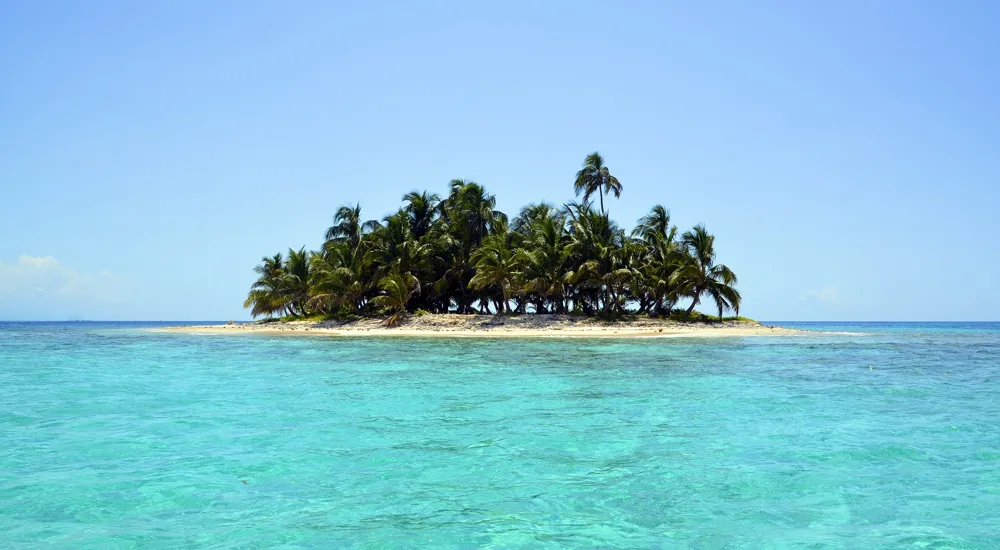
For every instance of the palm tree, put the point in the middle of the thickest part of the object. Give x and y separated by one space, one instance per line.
543 258
472 211
595 245
699 274
496 265
282 285
655 226
662 257
468 216
266 294
527 219
595 177
348 227
398 288
296 280
392 247
338 279
421 211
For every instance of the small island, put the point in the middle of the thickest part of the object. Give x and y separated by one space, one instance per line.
458 266
541 325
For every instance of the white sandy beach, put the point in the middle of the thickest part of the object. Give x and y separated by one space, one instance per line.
525 326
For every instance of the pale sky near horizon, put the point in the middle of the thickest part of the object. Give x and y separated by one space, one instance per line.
846 154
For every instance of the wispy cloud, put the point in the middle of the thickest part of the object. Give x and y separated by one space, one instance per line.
827 295
43 278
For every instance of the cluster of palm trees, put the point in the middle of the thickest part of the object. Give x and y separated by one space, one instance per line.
460 254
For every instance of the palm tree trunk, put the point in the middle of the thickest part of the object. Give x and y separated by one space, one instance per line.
693 304
601 195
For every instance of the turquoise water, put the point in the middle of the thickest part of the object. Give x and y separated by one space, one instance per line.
115 437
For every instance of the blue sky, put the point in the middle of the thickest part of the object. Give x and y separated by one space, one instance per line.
844 153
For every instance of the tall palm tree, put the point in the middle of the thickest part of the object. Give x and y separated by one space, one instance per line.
699 274
595 177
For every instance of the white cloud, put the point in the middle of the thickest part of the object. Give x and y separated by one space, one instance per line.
826 295
44 282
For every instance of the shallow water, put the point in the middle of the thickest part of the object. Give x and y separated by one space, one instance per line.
114 437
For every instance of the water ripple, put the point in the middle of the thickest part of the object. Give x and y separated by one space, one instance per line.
117 438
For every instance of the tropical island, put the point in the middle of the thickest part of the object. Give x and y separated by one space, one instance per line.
458 256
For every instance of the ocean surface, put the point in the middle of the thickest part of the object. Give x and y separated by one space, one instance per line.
855 436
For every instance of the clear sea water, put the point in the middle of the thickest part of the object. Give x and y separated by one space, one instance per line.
115 437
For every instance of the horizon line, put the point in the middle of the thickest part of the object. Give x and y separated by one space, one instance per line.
255 320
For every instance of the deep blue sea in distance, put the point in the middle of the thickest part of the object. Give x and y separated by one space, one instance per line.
855 435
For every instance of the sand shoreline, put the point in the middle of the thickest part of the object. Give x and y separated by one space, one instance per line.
489 326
